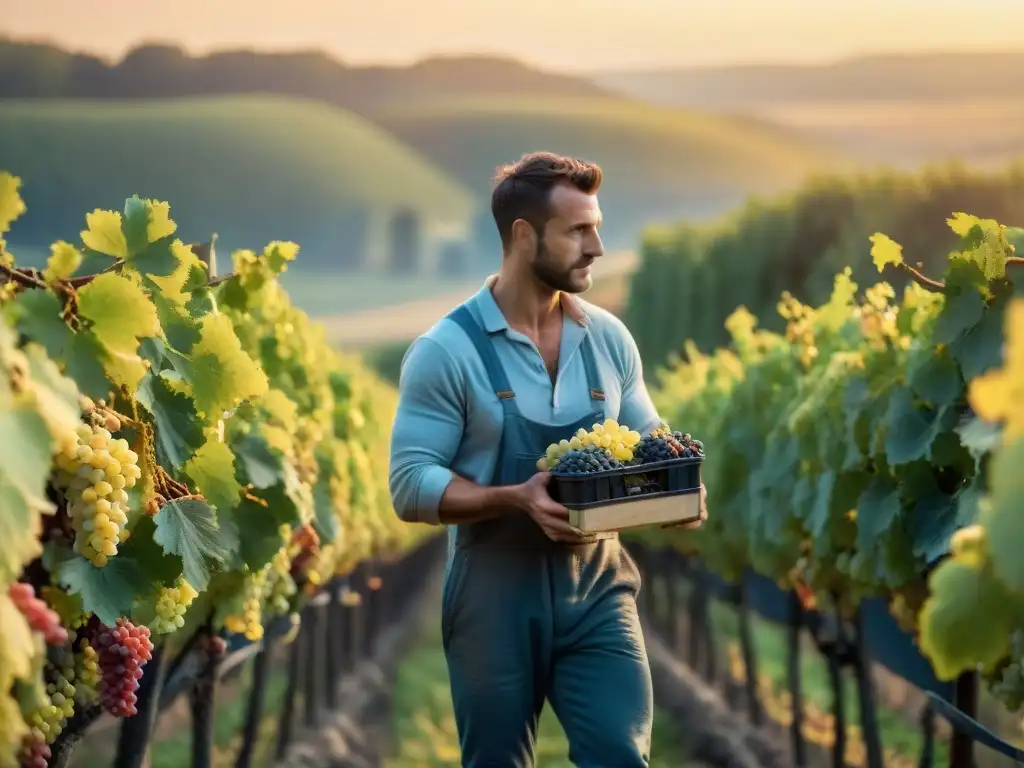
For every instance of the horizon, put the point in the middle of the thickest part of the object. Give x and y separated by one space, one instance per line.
615 35
471 54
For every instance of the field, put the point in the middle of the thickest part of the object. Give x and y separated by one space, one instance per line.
983 131
251 168
659 163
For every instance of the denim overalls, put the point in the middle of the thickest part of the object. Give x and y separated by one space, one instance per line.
526 619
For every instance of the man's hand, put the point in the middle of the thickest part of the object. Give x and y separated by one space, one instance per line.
694 524
533 498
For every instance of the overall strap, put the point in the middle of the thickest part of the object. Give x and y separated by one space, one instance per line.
462 317
590 366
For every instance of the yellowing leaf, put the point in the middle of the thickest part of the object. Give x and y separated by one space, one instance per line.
279 253
999 395
963 599
16 643
120 312
885 250
11 204
103 233
222 374
962 223
64 260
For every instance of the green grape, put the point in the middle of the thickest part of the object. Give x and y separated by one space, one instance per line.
94 473
171 605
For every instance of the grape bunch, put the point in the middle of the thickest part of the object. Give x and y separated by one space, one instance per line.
249 620
124 650
35 752
663 444
616 438
37 613
585 460
94 472
171 605
49 716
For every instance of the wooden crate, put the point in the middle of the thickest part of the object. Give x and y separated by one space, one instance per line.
659 509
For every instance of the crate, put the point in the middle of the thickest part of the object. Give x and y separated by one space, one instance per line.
650 494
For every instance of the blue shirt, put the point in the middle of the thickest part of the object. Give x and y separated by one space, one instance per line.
449 418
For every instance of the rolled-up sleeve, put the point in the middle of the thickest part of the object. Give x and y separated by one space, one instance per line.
427 431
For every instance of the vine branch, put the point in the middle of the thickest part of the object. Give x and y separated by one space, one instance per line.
938 286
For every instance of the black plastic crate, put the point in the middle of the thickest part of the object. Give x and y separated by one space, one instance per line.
614 486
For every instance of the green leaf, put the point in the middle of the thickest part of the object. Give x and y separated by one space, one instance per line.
120 312
179 431
108 591
980 437
1003 519
222 374
912 430
258 528
39 318
103 234
964 598
877 511
189 529
262 465
155 565
936 379
81 355
963 310
145 222
212 470
326 522
933 522
24 469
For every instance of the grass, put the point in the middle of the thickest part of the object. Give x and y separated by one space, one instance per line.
660 163
425 723
251 168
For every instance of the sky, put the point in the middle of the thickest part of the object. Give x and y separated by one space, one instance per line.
567 35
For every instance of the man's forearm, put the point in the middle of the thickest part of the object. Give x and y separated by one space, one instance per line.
463 501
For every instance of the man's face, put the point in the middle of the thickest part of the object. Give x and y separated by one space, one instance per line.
569 243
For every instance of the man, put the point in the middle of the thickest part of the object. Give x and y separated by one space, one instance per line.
531 609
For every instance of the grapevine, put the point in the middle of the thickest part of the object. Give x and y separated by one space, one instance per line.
159 421
869 449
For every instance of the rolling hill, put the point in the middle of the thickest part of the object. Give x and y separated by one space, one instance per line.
40 70
660 163
901 110
251 168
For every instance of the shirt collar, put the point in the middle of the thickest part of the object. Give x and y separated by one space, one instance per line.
494 320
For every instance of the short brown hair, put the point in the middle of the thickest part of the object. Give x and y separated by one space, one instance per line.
522 189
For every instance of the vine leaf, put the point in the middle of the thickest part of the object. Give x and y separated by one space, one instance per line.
222 374
24 469
965 596
189 529
885 251
120 312
145 222
108 591
212 469
63 261
179 432
261 465
11 204
103 234
17 645
1003 519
